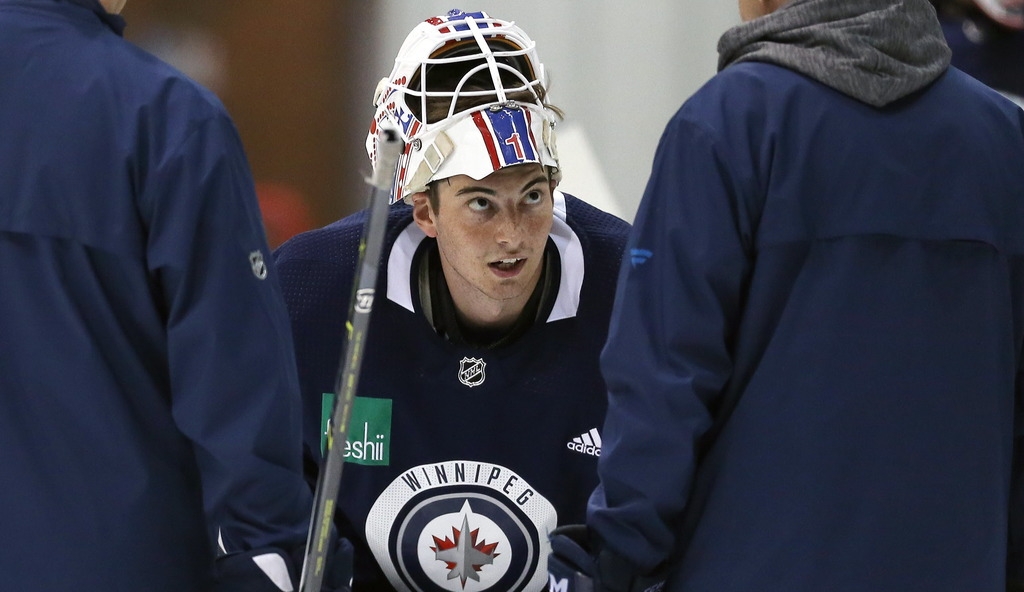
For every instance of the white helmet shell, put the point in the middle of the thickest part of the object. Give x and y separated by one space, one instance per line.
496 60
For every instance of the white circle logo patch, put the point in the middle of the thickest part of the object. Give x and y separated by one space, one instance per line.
461 526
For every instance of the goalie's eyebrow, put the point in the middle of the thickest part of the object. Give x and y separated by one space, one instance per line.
541 178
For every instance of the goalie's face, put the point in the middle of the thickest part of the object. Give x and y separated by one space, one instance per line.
491 235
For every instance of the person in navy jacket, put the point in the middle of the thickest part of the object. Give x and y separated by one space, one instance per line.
149 410
814 358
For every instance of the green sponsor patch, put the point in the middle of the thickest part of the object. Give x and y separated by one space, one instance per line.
369 430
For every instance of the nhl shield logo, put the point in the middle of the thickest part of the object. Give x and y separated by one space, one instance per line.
471 371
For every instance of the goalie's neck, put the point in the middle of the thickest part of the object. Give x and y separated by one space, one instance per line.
435 301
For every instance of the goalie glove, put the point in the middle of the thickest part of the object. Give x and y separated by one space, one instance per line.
574 567
273 570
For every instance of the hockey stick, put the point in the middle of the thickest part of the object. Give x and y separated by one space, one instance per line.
389 149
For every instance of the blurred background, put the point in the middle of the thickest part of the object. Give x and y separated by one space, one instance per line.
298 79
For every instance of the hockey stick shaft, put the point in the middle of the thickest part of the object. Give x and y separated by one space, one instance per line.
389 149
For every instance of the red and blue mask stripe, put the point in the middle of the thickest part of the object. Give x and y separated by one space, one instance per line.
507 135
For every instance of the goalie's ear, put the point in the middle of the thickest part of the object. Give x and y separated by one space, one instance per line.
423 213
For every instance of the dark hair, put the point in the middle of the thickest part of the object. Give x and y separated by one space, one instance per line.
438 107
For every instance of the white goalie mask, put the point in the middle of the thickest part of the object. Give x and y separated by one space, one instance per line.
444 63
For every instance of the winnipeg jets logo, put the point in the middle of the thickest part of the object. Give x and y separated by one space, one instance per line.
462 554
461 526
259 266
471 371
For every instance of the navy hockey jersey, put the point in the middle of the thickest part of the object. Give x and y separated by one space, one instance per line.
459 460
144 344
813 363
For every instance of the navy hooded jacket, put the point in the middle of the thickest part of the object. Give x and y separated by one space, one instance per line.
148 396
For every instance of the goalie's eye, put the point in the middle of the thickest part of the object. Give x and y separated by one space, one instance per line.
479 204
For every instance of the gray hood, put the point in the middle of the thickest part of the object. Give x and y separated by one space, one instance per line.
875 51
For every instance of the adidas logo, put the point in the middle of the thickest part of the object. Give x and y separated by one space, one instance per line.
587 443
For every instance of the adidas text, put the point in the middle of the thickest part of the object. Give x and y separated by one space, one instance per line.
588 443
584 448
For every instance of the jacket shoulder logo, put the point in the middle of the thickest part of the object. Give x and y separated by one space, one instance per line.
638 257
259 266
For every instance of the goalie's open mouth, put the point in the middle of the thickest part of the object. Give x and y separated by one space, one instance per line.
508 267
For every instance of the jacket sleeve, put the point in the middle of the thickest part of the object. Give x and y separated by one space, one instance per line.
1015 547
231 364
668 354
1015 552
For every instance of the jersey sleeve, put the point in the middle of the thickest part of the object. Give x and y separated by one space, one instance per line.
668 352
231 364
